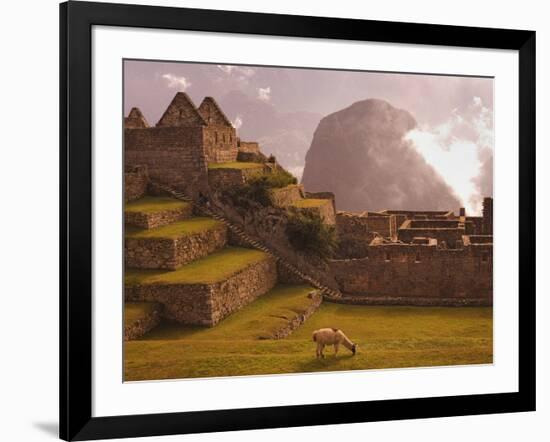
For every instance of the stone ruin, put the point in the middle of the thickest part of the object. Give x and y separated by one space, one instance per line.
384 257
416 257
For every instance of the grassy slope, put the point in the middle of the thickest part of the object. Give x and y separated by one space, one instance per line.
137 310
388 337
235 165
310 202
215 267
152 204
178 229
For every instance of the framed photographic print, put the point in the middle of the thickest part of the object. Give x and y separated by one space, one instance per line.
272 220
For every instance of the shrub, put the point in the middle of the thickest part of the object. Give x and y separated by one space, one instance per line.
274 180
307 232
257 188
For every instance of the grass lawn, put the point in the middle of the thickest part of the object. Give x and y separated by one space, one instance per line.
137 310
310 202
215 267
178 229
235 165
152 204
388 337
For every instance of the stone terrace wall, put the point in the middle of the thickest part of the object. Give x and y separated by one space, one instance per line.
135 183
294 322
418 271
170 254
144 325
243 288
223 178
323 196
287 196
151 220
173 155
207 304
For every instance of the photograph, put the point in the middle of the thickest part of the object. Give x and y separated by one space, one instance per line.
283 220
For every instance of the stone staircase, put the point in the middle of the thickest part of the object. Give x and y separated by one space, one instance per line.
204 210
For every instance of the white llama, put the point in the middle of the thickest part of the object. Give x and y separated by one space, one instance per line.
332 336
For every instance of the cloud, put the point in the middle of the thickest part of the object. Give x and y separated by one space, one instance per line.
174 82
237 122
243 72
461 150
264 94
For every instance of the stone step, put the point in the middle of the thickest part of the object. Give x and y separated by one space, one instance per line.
150 212
171 246
207 290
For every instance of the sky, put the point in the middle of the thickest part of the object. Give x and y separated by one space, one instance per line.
281 107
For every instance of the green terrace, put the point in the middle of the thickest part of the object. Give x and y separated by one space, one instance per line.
154 204
310 202
175 230
235 165
215 267
134 311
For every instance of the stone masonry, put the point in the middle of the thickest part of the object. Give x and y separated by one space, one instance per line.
171 253
136 180
207 304
151 220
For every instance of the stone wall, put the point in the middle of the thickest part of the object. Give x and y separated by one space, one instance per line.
224 178
357 230
296 321
474 225
173 155
325 210
170 254
151 220
487 224
135 183
248 146
143 325
236 292
432 229
220 144
251 157
323 196
418 271
287 196
207 304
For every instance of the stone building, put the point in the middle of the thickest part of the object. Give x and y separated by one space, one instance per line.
184 141
435 258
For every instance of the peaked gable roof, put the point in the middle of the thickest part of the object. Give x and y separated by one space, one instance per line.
181 112
135 120
212 113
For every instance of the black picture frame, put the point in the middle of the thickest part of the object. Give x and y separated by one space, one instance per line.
76 21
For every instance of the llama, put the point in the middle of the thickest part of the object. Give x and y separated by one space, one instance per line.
332 336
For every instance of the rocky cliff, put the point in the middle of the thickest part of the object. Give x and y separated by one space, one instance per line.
359 154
